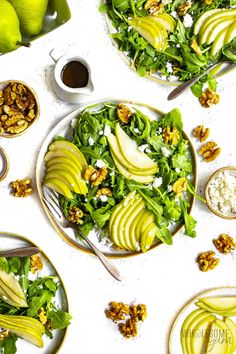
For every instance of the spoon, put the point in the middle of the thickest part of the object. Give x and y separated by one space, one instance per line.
183 87
20 252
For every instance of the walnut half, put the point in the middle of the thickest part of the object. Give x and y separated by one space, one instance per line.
210 151
207 261
224 244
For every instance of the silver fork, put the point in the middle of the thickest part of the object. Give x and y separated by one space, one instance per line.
50 198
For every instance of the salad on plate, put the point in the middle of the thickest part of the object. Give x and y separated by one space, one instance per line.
174 40
127 177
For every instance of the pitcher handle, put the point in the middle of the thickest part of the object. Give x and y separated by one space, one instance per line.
55 54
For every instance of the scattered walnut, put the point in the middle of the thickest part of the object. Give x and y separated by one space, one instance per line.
103 191
117 311
207 261
4 334
201 133
183 8
224 243
22 187
124 113
130 314
170 135
210 151
194 45
75 215
207 2
208 97
128 329
42 316
36 263
179 186
18 108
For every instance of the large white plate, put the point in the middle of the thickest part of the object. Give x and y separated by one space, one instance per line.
174 340
64 128
51 346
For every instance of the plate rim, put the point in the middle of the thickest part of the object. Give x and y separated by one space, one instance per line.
55 225
188 304
23 238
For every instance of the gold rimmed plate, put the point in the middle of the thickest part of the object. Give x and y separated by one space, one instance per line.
51 346
175 333
232 171
64 128
4 164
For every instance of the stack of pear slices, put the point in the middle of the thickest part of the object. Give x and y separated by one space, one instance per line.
65 164
216 27
204 332
25 327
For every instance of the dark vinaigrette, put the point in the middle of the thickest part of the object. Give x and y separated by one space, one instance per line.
75 74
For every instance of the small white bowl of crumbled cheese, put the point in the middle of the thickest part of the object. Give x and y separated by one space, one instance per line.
220 192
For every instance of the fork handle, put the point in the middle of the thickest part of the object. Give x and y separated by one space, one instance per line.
105 261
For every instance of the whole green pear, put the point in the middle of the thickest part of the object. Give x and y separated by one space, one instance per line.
10 36
31 14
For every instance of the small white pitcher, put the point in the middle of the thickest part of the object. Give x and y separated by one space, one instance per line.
64 92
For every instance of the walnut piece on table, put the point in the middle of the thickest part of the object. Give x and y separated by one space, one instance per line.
224 244
207 261
201 133
210 151
209 97
21 188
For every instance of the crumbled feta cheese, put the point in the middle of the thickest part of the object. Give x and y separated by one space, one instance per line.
103 198
129 28
112 173
173 78
160 130
188 20
169 68
166 152
177 45
148 151
107 130
166 2
17 277
142 147
150 186
136 130
169 188
157 182
177 170
73 123
100 163
90 141
101 132
222 193
174 14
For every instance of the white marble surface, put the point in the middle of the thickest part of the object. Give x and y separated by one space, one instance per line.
165 278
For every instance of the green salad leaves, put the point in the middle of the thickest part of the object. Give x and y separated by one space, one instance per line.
40 295
174 162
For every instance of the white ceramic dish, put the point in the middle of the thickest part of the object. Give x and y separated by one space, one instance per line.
51 346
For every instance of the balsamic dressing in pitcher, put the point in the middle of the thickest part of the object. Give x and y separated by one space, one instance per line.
75 74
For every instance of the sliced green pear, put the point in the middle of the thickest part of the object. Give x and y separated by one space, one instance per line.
124 219
67 145
58 186
28 328
219 42
166 20
185 331
219 312
129 175
11 290
132 233
64 161
231 33
131 153
156 36
148 218
62 153
232 327
199 343
148 237
202 19
223 303
216 17
219 341
66 178
216 28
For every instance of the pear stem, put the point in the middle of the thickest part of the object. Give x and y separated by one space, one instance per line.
24 44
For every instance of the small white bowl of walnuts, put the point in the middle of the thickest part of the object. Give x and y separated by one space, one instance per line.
19 108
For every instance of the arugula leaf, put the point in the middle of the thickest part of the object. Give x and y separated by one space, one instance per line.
182 162
59 319
9 344
197 88
189 221
164 235
4 265
173 119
